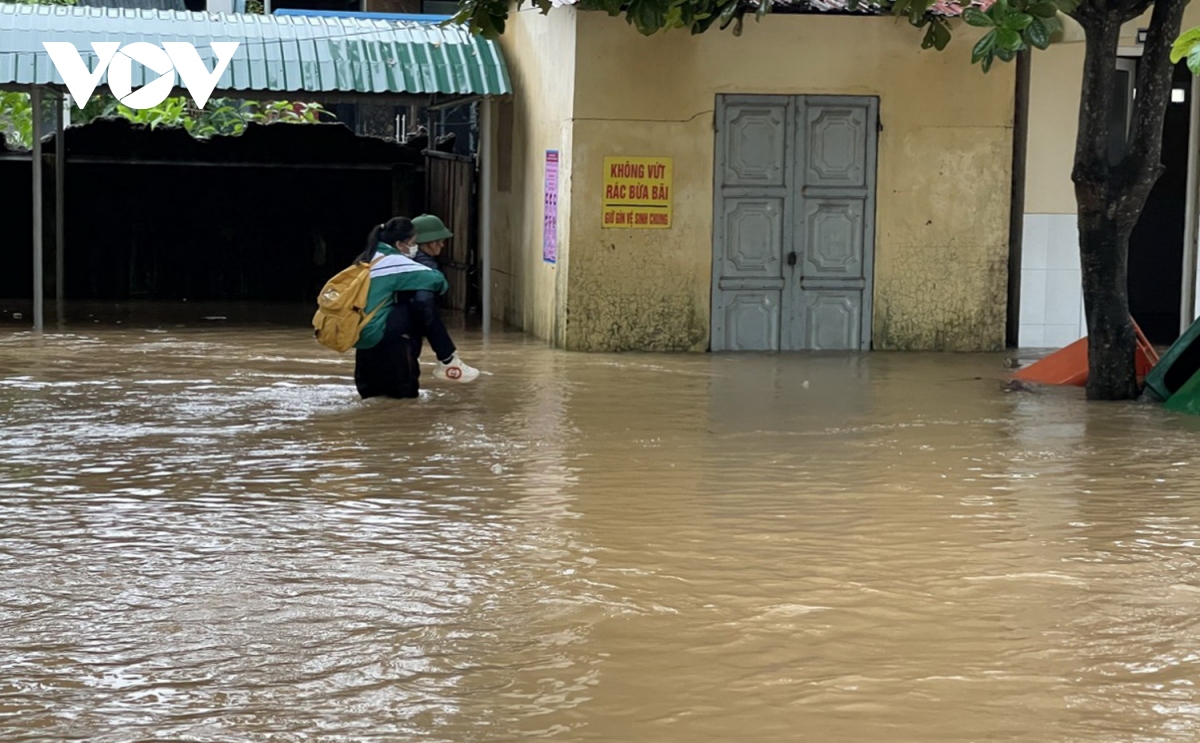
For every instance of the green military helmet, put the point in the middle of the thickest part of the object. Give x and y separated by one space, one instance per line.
430 229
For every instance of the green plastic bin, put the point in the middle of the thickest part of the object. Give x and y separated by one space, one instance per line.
1178 365
1187 398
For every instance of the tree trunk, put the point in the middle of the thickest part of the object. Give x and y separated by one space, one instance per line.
1103 252
1103 244
1110 196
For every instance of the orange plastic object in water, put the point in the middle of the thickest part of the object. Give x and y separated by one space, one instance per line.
1070 365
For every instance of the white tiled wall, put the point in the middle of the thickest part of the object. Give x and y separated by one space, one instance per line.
1051 286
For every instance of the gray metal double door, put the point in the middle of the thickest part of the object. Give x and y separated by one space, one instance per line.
794 222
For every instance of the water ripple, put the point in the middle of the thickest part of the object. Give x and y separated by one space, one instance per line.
208 537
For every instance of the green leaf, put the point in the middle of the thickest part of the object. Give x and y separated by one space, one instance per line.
727 12
986 62
941 35
1193 60
1018 21
984 47
1037 34
937 36
1184 44
976 17
647 15
918 12
486 26
1007 40
929 40
1043 10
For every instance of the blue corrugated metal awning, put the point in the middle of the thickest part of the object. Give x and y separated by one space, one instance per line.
277 54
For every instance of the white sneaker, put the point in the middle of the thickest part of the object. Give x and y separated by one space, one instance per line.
455 371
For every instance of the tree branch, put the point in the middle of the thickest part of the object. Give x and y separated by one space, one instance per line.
1101 11
1143 155
1091 173
1135 10
1089 13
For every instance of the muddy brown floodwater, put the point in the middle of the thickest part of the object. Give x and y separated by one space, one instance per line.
205 536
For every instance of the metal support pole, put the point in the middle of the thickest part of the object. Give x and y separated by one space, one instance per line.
1016 217
485 213
1187 304
60 165
39 310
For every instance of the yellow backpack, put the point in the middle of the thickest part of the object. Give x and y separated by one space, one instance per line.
341 307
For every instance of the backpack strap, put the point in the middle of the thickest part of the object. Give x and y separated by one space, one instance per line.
367 316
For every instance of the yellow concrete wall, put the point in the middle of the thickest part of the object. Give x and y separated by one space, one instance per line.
943 174
527 292
1054 78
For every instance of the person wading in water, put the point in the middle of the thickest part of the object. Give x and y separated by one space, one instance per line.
385 361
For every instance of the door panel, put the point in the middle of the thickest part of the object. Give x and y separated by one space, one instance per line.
834 239
751 280
757 144
836 143
834 233
749 296
752 321
831 319
753 238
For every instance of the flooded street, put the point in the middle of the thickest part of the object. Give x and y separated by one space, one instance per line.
207 536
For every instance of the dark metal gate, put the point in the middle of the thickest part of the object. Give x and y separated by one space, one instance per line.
450 194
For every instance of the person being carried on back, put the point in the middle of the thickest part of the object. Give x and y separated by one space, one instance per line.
430 239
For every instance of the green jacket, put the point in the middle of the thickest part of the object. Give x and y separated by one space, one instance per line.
394 273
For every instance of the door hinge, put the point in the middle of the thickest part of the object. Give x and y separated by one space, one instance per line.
791 259
879 126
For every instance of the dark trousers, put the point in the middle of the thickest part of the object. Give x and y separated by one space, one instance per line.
426 316
390 368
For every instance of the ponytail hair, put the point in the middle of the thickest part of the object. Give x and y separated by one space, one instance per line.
395 230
